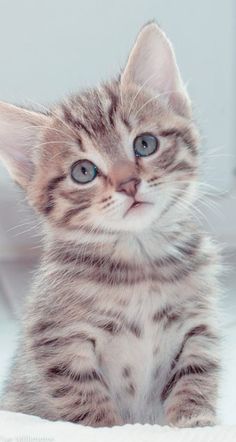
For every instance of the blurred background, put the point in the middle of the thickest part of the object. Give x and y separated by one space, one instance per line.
54 47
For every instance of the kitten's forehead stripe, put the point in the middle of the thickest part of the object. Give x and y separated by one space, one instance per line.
70 119
113 104
94 113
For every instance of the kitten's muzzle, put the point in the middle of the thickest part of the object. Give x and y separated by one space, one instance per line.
136 204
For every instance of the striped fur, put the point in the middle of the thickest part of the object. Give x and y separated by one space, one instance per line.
121 323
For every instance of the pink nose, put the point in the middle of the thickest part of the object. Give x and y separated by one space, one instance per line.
129 186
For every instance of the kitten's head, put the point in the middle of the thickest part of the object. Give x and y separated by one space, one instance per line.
120 157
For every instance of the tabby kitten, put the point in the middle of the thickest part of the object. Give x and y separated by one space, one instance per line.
120 326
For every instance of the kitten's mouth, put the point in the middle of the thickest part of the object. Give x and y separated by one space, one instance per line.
137 206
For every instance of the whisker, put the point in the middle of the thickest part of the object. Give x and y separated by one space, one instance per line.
152 99
140 89
20 225
27 231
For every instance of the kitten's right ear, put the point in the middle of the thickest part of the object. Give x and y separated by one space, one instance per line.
19 135
152 64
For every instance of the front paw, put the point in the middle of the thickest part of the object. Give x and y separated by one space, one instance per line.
196 421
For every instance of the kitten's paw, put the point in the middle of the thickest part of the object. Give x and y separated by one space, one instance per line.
196 421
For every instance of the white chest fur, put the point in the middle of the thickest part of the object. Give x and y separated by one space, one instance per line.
136 361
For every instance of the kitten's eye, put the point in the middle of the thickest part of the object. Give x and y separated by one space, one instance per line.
83 171
145 145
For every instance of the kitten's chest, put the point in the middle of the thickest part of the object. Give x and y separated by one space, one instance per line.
135 359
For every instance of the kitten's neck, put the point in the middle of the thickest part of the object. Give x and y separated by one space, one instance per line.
139 246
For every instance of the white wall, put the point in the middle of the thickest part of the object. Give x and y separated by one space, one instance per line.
51 47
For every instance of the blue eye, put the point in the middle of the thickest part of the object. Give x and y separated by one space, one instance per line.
145 145
83 171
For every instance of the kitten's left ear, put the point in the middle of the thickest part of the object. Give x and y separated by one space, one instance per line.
152 65
19 134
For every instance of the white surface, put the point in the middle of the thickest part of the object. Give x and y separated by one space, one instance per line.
27 427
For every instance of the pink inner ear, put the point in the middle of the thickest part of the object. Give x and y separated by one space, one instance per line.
152 63
15 145
19 132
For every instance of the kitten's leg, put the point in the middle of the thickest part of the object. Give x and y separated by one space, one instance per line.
72 383
190 393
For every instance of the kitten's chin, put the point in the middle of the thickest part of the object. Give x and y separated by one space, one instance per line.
136 218
137 208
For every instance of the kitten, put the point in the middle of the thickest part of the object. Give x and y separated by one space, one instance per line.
121 324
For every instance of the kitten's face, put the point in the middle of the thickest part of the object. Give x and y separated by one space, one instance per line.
120 158
103 154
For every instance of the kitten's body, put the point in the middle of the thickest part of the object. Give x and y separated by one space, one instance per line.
137 330
120 326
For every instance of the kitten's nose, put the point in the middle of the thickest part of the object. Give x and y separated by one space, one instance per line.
124 177
129 186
